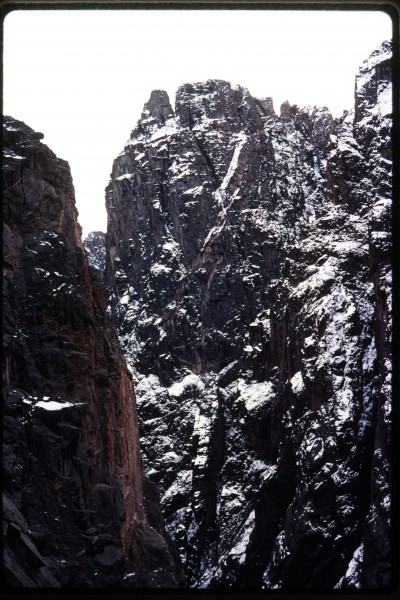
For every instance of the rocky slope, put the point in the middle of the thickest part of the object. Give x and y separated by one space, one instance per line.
248 271
74 502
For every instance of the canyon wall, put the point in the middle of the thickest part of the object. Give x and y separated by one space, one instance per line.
77 511
248 271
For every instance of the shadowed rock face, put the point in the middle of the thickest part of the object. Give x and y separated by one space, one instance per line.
248 272
75 510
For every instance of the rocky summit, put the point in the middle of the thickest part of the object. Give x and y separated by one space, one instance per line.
201 397
248 273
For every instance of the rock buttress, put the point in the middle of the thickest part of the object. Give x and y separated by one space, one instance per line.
72 471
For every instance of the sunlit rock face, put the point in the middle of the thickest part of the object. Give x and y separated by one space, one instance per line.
74 499
248 272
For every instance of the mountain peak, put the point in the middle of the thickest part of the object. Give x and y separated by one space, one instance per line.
158 106
248 275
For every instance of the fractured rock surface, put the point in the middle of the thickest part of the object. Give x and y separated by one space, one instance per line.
74 509
248 272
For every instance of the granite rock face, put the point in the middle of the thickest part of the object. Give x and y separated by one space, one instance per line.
248 273
74 509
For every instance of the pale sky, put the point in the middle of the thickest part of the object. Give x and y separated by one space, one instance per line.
82 77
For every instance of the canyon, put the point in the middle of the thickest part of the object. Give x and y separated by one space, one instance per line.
231 329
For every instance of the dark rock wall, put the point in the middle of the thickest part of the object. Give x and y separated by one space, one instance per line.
248 271
72 471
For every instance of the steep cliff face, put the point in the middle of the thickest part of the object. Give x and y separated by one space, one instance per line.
74 505
248 271
94 245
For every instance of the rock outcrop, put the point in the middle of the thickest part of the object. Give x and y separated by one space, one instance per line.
74 505
248 272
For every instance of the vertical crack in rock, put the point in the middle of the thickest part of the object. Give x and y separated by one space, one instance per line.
226 193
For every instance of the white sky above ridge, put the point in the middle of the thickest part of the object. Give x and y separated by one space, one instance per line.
82 77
